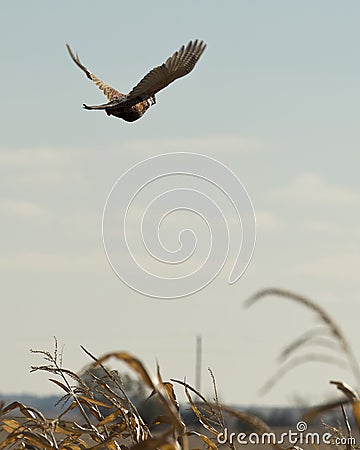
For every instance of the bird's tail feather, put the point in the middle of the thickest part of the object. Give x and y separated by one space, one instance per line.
96 106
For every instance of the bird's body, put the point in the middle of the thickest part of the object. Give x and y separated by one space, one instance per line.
133 105
119 108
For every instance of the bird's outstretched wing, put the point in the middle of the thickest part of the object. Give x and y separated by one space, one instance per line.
110 92
178 65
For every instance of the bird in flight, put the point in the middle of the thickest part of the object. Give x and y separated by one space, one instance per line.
133 105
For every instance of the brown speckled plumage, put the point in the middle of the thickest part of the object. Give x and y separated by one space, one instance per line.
133 105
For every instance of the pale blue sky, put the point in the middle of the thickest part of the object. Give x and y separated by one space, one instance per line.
275 97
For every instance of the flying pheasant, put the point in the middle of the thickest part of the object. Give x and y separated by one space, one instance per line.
133 105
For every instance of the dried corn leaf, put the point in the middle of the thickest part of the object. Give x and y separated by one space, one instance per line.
61 385
356 412
350 393
8 441
133 362
92 401
161 442
210 444
110 418
10 425
37 439
30 413
202 419
109 443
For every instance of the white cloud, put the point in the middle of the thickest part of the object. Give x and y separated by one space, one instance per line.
200 144
22 209
42 167
343 267
266 220
309 188
29 156
65 155
50 262
323 226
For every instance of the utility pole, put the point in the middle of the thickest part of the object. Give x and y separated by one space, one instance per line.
198 362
